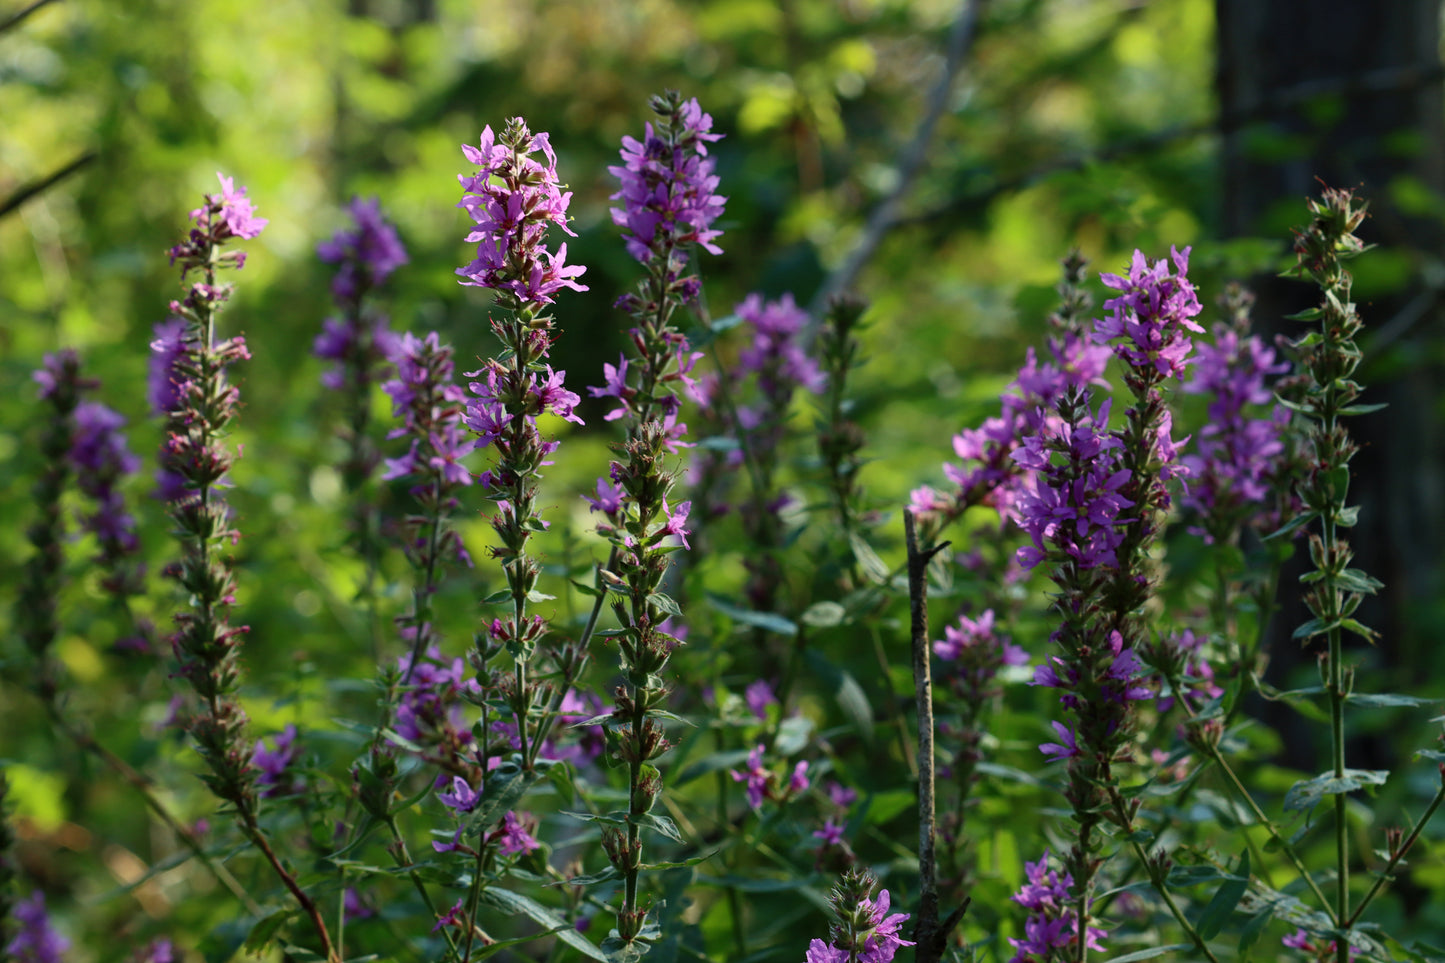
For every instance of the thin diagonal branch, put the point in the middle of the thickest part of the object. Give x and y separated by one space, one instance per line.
885 215
30 190
14 19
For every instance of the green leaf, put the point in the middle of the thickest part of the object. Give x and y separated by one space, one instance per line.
482 952
1304 795
761 620
824 615
1150 953
845 691
1384 700
711 763
591 879
1361 409
263 934
661 824
1312 628
1254 929
664 603
1293 525
793 735
1354 580
504 786
505 595
514 903
868 560
590 591
1226 898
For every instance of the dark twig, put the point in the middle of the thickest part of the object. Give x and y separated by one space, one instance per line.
930 935
885 215
14 19
45 183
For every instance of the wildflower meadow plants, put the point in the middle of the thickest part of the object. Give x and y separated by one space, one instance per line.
665 713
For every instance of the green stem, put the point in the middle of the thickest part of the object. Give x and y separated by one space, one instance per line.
1395 860
1159 887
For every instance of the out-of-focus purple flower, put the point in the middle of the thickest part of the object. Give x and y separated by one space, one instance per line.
168 347
513 197
757 777
668 190
677 521
514 835
831 834
156 951
798 781
776 353
840 795
37 941
368 253
354 906
454 917
1300 940
608 500
759 695
1237 453
1151 314
275 763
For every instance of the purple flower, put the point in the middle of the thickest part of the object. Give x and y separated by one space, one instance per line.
1073 508
668 188
1065 750
453 917
236 210
759 695
881 945
1151 314
1237 453
1053 924
157 951
274 764
820 952
608 500
798 782
462 799
368 254
37 941
676 520
514 836
513 197
757 777
102 460
430 711
168 347
776 353
831 834
354 907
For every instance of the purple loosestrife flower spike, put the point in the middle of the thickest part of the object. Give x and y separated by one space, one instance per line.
668 200
60 387
515 198
668 185
1240 449
195 463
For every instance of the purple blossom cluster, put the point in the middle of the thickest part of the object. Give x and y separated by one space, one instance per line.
273 765
430 408
865 931
668 188
1238 453
583 744
36 940
513 836
763 783
430 713
1072 510
1151 314
1052 927
512 198
976 652
102 462
988 473
367 254
222 217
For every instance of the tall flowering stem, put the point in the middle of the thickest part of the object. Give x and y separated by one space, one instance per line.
359 344
1097 504
668 202
61 386
1330 356
514 197
190 388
